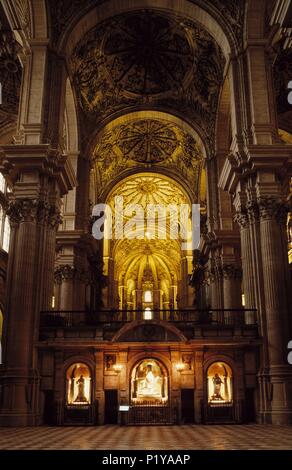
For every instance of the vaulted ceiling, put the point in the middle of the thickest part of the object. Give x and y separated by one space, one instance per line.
143 60
147 144
10 75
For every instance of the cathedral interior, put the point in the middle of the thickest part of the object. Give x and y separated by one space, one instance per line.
161 103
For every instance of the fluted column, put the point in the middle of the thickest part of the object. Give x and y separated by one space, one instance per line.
242 219
276 295
71 287
232 275
49 253
39 176
273 214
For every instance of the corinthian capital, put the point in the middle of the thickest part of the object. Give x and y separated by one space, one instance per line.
231 271
54 218
271 207
241 218
27 210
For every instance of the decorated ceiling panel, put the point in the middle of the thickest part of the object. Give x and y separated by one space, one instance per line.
10 74
151 60
147 144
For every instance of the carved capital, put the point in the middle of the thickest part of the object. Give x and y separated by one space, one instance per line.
27 210
231 271
33 210
241 218
68 272
54 218
273 208
252 211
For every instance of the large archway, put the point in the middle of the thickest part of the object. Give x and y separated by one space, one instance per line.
148 264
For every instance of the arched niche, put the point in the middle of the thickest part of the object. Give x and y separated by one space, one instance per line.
149 383
78 384
219 379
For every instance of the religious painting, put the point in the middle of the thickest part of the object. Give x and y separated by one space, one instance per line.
149 382
78 379
219 378
187 360
109 361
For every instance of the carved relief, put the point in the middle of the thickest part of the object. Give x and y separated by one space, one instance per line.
62 12
146 58
22 8
10 76
149 143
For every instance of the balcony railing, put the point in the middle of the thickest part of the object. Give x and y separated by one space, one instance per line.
215 317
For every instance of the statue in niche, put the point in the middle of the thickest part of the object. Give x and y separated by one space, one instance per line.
217 381
149 383
81 390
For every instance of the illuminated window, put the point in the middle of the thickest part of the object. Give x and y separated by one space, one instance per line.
6 235
219 377
2 183
148 296
4 222
78 379
147 313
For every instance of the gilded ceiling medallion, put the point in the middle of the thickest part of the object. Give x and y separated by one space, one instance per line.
148 143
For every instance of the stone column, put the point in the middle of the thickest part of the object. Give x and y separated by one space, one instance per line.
242 219
216 295
199 386
99 386
49 253
232 285
277 306
39 177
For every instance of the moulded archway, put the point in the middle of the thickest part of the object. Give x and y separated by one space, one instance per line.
218 27
149 383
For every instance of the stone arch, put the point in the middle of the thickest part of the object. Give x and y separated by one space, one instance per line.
71 120
255 20
160 357
224 358
126 329
81 359
223 137
191 129
39 19
126 117
68 392
211 20
164 375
